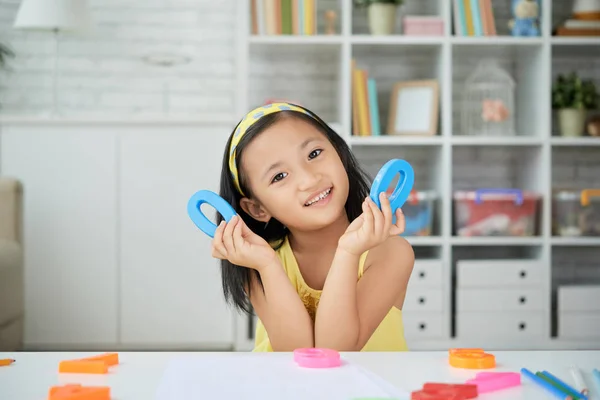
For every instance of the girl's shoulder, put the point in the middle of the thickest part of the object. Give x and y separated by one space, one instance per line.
395 250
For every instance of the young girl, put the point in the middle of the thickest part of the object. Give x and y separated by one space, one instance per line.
315 258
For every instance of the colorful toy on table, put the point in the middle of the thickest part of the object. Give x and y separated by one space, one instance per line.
492 381
380 184
317 358
525 21
79 392
6 362
445 391
89 365
474 358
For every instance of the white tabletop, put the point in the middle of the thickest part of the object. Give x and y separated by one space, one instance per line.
139 373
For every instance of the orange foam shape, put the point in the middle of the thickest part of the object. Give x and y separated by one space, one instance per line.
471 359
89 365
78 392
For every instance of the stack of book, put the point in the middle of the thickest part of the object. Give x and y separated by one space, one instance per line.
283 17
365 108
474 18
579 27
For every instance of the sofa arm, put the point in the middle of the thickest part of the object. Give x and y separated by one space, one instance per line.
10 209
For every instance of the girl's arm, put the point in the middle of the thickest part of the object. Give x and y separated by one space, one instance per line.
349 312
281 310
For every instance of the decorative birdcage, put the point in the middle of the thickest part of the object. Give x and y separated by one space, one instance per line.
488 101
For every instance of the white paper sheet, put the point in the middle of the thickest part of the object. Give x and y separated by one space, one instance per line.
267 376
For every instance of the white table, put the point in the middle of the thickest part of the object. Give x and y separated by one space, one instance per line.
138 375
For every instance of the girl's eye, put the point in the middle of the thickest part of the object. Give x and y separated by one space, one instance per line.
278 177
314 153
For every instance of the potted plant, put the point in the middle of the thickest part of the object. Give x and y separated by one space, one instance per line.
382 15
572 97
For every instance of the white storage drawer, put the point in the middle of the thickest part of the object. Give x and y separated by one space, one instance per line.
480 273
427 273
579 298
500 324
422 325
525 299
420 299
579 325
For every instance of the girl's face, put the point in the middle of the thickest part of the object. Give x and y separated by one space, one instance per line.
295 175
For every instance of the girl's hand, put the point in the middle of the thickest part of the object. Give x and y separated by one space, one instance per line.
372 228
235 242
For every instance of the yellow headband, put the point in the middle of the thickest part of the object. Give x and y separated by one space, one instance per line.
246 123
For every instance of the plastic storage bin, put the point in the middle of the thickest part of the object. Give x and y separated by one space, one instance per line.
496 212
419 212
576 212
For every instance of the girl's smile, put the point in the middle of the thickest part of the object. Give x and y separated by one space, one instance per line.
320 199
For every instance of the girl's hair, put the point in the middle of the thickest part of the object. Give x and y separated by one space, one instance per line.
236 279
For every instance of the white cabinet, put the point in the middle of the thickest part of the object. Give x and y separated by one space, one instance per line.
170 285
424 310
500 300
579 312
70 218
111 257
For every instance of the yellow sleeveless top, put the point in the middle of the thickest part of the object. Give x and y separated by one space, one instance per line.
389 335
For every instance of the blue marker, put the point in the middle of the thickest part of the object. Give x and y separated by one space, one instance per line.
539 381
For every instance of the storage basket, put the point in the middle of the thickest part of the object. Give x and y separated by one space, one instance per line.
576 212
496 212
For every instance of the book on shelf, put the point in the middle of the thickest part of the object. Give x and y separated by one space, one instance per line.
579 27
474 18
365 107
283 17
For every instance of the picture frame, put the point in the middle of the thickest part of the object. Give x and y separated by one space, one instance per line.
414 108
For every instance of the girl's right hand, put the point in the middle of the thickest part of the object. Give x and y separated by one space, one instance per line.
235 242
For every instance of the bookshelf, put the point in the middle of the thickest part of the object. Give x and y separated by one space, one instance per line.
315 70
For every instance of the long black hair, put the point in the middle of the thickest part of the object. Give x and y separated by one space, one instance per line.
236 279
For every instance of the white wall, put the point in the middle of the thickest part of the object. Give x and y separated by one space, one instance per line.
103 72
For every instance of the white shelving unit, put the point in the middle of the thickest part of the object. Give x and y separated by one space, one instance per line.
315 71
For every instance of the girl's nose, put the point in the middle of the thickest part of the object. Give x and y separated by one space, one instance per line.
309 179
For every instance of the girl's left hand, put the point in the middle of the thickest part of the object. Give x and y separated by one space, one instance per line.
372 228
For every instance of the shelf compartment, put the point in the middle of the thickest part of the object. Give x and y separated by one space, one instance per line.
575 167
573 265
259 26
426 162
561 12
360 18
477 167
305 74
583 60
389 65
492 167
524 64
